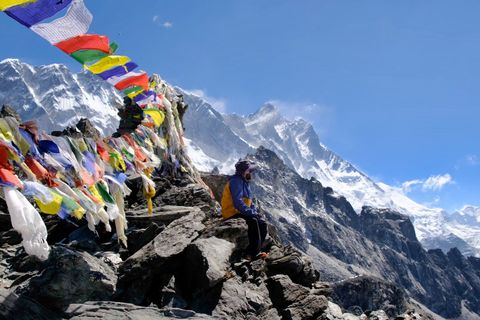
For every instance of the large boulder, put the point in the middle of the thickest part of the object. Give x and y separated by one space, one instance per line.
205 265
208 259
369 293
138 238
232 230
291 262
151 267
283 292
309 308
242 300
71 277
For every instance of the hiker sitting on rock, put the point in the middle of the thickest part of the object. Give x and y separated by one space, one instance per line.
237 202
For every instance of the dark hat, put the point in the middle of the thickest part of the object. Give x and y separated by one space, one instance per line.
243 165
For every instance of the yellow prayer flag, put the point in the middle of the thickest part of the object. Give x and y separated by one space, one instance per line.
135 93
94 192
5 4
107 63
52 207
79 213
157 116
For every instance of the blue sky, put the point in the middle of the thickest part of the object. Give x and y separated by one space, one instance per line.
391 86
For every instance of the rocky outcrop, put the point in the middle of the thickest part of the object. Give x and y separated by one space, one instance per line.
83 129
71 277
8 111
377 242
377 295
154 264
189 270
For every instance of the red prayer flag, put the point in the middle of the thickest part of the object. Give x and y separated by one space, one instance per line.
84 42
141 81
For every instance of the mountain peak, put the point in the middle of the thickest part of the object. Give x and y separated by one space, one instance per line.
265 110
266 114
11 61
268 107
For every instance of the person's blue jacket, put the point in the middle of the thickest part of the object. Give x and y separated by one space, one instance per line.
237 198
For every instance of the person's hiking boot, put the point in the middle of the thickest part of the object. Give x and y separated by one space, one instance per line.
261 255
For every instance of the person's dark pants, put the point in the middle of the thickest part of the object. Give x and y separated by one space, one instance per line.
257 232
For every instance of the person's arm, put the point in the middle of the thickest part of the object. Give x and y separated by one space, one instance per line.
236 189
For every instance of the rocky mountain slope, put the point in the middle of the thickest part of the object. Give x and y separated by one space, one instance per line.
377 242
218 140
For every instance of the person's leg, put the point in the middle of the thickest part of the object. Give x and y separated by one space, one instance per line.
262 224
254 235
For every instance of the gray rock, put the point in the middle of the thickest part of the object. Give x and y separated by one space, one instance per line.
17 307
271 314
283 292
119 310
349 316
204 266
88 129
154 264
378 315
307 309
193 195
369 293
215 255
242 300
334 311
8 111
232 230
71 277
292 263
138 238
161 215
322 289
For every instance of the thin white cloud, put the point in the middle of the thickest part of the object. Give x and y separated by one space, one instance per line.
219 104
437 182
433 183
408 185
158 21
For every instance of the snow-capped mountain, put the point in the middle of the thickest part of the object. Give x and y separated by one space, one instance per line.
56 97
216 139
465 224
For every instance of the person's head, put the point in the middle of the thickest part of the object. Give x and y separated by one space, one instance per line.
245 168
